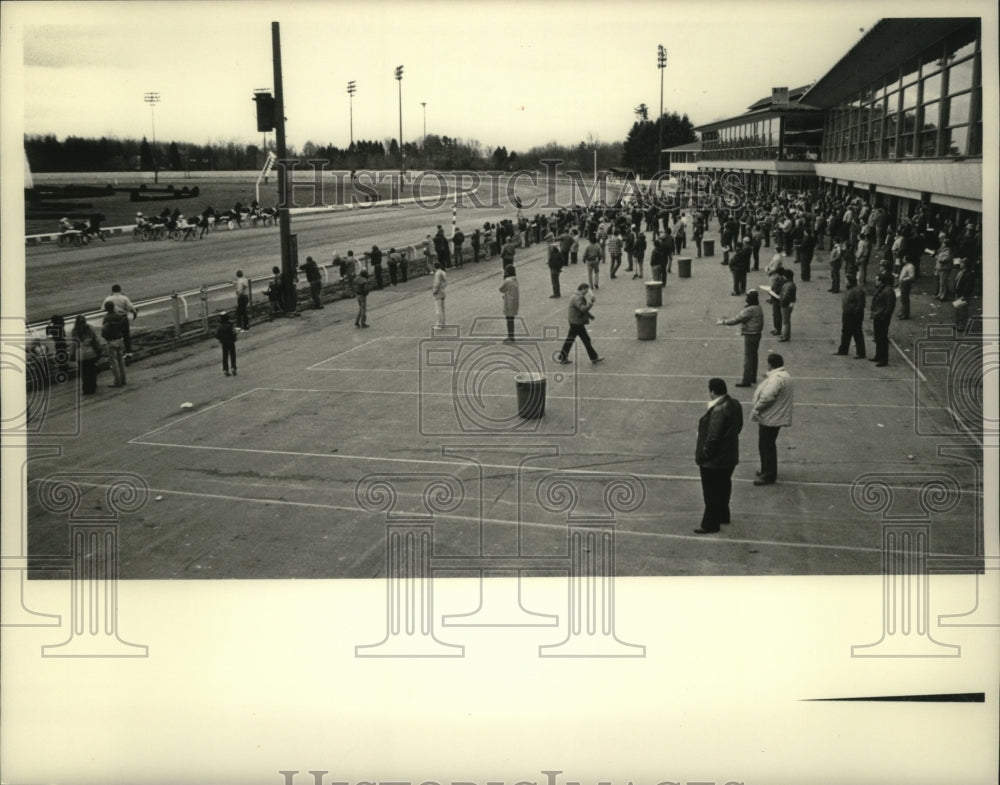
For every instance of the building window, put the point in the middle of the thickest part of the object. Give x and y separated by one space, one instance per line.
956 140
932 88
929 130
960 76
958 109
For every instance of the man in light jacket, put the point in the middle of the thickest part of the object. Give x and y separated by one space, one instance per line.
771 408
752 320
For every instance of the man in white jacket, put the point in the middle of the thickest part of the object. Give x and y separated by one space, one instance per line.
771 408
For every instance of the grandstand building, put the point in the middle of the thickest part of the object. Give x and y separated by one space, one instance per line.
897 121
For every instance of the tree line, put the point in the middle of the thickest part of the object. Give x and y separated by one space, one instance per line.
639 152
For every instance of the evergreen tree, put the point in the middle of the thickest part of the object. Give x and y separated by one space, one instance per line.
145 156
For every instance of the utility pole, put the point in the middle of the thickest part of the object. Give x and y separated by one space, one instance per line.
352 87
288 262
661 63
399 78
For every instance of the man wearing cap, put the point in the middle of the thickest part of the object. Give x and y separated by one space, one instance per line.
751 319
883 305
315 279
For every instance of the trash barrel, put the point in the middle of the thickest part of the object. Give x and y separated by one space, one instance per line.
683 266
708 247
645 324
530 395
654 294
797 249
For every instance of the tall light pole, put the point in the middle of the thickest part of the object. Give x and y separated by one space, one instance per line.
153 99
352 87
399 78
661 63
424 105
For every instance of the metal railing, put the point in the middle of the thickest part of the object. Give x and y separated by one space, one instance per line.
182 315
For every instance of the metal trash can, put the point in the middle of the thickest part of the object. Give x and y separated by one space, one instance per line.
530 395
645 324
708 247
683 266
797 250
654 294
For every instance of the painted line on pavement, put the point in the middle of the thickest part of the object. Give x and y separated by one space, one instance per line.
316 367
529 524
194 414
698 401
498 466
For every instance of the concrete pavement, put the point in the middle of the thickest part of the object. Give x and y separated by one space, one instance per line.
260 479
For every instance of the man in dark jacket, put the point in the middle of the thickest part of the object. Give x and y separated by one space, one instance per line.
717 453
739 265
441 248
555 263
852 318
883 306
315 279
376 257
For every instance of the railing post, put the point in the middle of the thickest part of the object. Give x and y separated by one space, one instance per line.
176 308
203 292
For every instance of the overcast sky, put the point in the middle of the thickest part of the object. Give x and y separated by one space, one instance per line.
516 74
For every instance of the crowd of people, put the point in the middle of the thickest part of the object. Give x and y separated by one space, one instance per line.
769 234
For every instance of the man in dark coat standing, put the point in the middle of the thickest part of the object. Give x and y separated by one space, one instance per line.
315 279
717 453
852 319
883 305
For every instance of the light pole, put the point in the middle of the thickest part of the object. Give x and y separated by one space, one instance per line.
661 63
352 87
399 78
424 105
153 99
